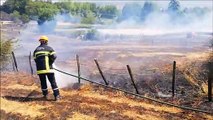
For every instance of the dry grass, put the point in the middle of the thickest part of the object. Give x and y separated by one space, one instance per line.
79 116
137 116
86 103
191 79
90 105
131 102
158 53
24 109
190 71
198 56
22 87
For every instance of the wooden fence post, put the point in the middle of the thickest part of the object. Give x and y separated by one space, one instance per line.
210 77
100 71
173 79
79 69
13 65
15 62
31 68
132 79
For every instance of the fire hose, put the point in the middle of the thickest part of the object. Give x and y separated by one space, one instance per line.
137 95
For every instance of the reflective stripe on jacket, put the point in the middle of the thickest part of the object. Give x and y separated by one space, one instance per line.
44 57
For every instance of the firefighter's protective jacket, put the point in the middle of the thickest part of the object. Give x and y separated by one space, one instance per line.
44 57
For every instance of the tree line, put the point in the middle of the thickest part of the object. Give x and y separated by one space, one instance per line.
90 13
41 11
174 11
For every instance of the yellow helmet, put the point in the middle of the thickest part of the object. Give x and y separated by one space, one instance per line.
45 38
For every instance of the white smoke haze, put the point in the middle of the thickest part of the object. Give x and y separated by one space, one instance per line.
49 27
159 23
163 22
156 26
62 79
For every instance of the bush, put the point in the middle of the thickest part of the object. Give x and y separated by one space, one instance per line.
16 17
5 51
91 35
25 18
89 19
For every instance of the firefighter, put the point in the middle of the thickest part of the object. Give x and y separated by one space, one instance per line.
44 57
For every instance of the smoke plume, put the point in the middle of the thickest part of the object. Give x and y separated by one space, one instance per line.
61 32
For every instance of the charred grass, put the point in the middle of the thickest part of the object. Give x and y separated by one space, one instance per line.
21 100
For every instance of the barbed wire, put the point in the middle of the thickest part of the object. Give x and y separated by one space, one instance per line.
163 73
138 95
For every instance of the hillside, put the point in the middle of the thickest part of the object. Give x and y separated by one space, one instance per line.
21 99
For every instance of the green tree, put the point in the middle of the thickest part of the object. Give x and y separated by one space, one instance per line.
66 6
78 9
89 18
42 11
176 15
74 8
17 17
131 10
27 10
15 5
24 18
174 6
147 9
108 11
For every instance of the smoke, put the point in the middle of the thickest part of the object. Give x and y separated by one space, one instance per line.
63 80
63 26
54 29
160 23
189 23
49 27
28 41
157 22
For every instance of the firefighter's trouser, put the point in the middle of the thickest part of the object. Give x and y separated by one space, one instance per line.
51 78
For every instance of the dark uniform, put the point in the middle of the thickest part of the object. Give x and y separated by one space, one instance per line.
44 57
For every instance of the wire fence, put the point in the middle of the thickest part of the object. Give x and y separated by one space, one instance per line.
124 77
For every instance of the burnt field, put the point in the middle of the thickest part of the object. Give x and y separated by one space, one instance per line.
116 60
21 99
150 58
